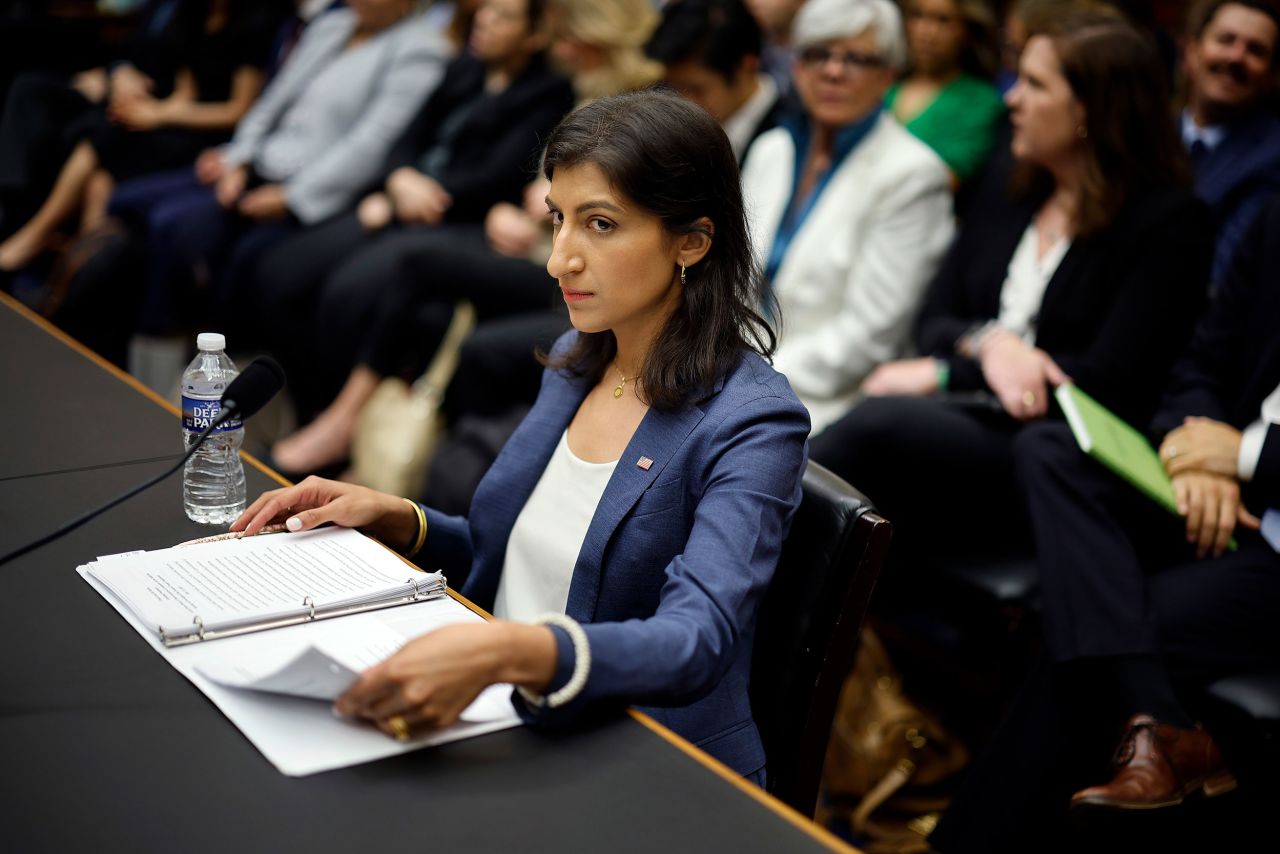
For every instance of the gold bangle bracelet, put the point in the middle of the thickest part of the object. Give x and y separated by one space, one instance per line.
422 528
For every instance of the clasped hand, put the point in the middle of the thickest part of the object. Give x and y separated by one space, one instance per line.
1202 459
417 197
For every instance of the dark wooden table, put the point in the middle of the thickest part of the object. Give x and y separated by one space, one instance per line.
104 746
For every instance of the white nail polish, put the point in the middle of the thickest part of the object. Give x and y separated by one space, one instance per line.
294 523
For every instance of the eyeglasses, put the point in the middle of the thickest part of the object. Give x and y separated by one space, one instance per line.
851 62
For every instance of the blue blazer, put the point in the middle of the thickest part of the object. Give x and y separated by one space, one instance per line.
669 579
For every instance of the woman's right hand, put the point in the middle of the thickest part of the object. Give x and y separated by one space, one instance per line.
417 197
1019 374
317 501
374 212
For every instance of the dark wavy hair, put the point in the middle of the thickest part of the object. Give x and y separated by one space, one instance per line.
715 34
1131 144
671 159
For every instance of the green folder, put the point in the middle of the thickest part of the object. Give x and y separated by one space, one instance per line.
1109 440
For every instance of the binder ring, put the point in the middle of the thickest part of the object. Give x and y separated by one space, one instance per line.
199 624
307 601
416 592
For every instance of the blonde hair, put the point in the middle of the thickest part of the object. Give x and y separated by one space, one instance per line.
620 29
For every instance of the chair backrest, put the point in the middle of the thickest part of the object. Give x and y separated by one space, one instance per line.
807 633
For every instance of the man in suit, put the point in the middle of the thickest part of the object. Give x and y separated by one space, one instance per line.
1231 132
1137 601
711 51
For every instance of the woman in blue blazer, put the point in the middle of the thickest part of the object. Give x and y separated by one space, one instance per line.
650 581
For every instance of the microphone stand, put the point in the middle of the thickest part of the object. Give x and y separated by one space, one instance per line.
223 416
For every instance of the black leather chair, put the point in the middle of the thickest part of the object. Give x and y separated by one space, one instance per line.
1243 712
807 633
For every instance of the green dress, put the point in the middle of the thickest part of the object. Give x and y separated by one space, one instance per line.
959 124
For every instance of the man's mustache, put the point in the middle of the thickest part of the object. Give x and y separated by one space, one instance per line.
1236 70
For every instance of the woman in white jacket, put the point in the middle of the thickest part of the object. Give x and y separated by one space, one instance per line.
850 213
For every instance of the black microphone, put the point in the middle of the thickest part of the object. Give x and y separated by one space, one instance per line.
250 391
246 394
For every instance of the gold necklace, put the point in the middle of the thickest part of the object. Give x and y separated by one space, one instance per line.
617 390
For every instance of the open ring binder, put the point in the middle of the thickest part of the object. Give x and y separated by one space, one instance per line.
430 586
235 586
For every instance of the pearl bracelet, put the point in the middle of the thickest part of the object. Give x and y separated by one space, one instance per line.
581 665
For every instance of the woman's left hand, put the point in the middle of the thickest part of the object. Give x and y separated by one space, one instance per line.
430 681
915 377
1019 374
138 114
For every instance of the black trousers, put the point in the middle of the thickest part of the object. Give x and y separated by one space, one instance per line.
940 469
43 119
498 369
1117 580
337 297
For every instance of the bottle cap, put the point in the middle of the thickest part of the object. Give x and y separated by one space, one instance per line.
211 341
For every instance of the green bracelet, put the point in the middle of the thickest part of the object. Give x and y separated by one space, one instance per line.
943 368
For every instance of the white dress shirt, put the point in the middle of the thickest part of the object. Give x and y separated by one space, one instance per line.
1192 132
1255 435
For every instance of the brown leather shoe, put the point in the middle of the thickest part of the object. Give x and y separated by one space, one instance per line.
1159 765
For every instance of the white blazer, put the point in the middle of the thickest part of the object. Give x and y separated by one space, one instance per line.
855 273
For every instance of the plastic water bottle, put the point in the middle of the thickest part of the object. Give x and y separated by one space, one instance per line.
213 479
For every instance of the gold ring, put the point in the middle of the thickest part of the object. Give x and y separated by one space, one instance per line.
399 727
1028 398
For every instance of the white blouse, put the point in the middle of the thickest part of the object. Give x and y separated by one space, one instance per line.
1025 282
548 536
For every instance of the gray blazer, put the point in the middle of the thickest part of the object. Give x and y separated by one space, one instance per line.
325 124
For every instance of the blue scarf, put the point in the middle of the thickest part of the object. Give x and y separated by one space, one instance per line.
847 139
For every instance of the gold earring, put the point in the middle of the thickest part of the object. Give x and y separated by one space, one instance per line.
683 278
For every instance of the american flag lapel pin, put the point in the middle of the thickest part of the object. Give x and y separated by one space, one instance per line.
644 463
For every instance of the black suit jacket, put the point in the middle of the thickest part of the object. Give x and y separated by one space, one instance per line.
1116 313
495 150
1233 362
1236 178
